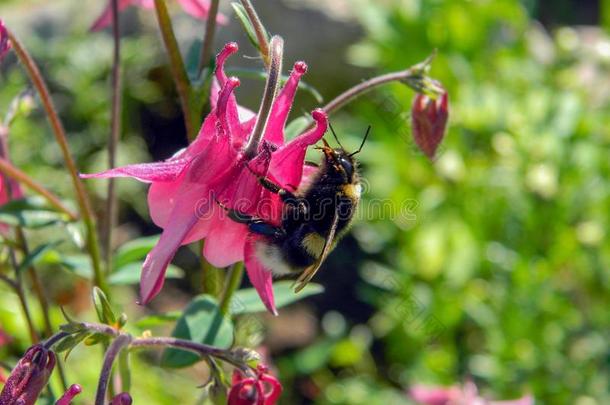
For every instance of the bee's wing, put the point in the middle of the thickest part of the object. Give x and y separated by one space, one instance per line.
309 272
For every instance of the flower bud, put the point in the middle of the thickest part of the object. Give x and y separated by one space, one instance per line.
29 376
262 389
69 395
122 399
429 120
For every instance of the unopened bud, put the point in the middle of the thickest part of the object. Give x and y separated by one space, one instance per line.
122 399
429 120
29 377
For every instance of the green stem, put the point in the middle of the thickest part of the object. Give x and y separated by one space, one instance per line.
111 203
60 137
211 275
13 172
271 87
17 286
232 283
260 31
208 38
176 64
114 349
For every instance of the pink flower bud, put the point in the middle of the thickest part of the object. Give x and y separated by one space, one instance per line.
122 399
69 395
29 377
429 119
263 389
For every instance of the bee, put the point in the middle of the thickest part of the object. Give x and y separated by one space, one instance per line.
314 216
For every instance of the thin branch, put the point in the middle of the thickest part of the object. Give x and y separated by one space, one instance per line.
11 171
176 64
111 203
208 38
259 29
60 136
113 350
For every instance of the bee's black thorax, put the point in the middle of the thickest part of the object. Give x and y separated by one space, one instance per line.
334 190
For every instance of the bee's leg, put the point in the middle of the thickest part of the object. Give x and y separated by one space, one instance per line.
256 225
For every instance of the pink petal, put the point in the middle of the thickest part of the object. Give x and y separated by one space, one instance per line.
226 246
274 132
434 395
287 162
200 9
260 277
166 171
181 221
226 110
105 19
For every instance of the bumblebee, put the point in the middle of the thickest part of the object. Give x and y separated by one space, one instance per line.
314 217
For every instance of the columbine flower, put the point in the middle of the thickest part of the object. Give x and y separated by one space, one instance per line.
263 389
197 8
185 188
5 44
428 120
29 376
467 394
69 395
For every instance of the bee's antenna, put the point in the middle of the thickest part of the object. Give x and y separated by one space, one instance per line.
368 130
335 135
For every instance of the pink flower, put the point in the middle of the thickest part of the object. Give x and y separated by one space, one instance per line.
263 389
458 395
5 44
69 395
197 8
29 377
186 188
429 120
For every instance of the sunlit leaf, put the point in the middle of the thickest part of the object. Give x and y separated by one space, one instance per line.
247 300
201 322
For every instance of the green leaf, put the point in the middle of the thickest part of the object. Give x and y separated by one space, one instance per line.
158 320
134 250
243 19
31 212
201 322
296 126
77 264
130 274
247 300
102 307
36 255
70 342
96 338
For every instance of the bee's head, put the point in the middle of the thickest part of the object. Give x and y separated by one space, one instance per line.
339 162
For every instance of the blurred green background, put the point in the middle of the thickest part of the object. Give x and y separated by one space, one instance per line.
490 263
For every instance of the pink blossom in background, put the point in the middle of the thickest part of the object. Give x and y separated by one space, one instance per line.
468 394
5 44
196 8
263 389
185 189
9 188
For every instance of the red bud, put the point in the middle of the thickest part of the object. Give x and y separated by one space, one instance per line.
429 120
